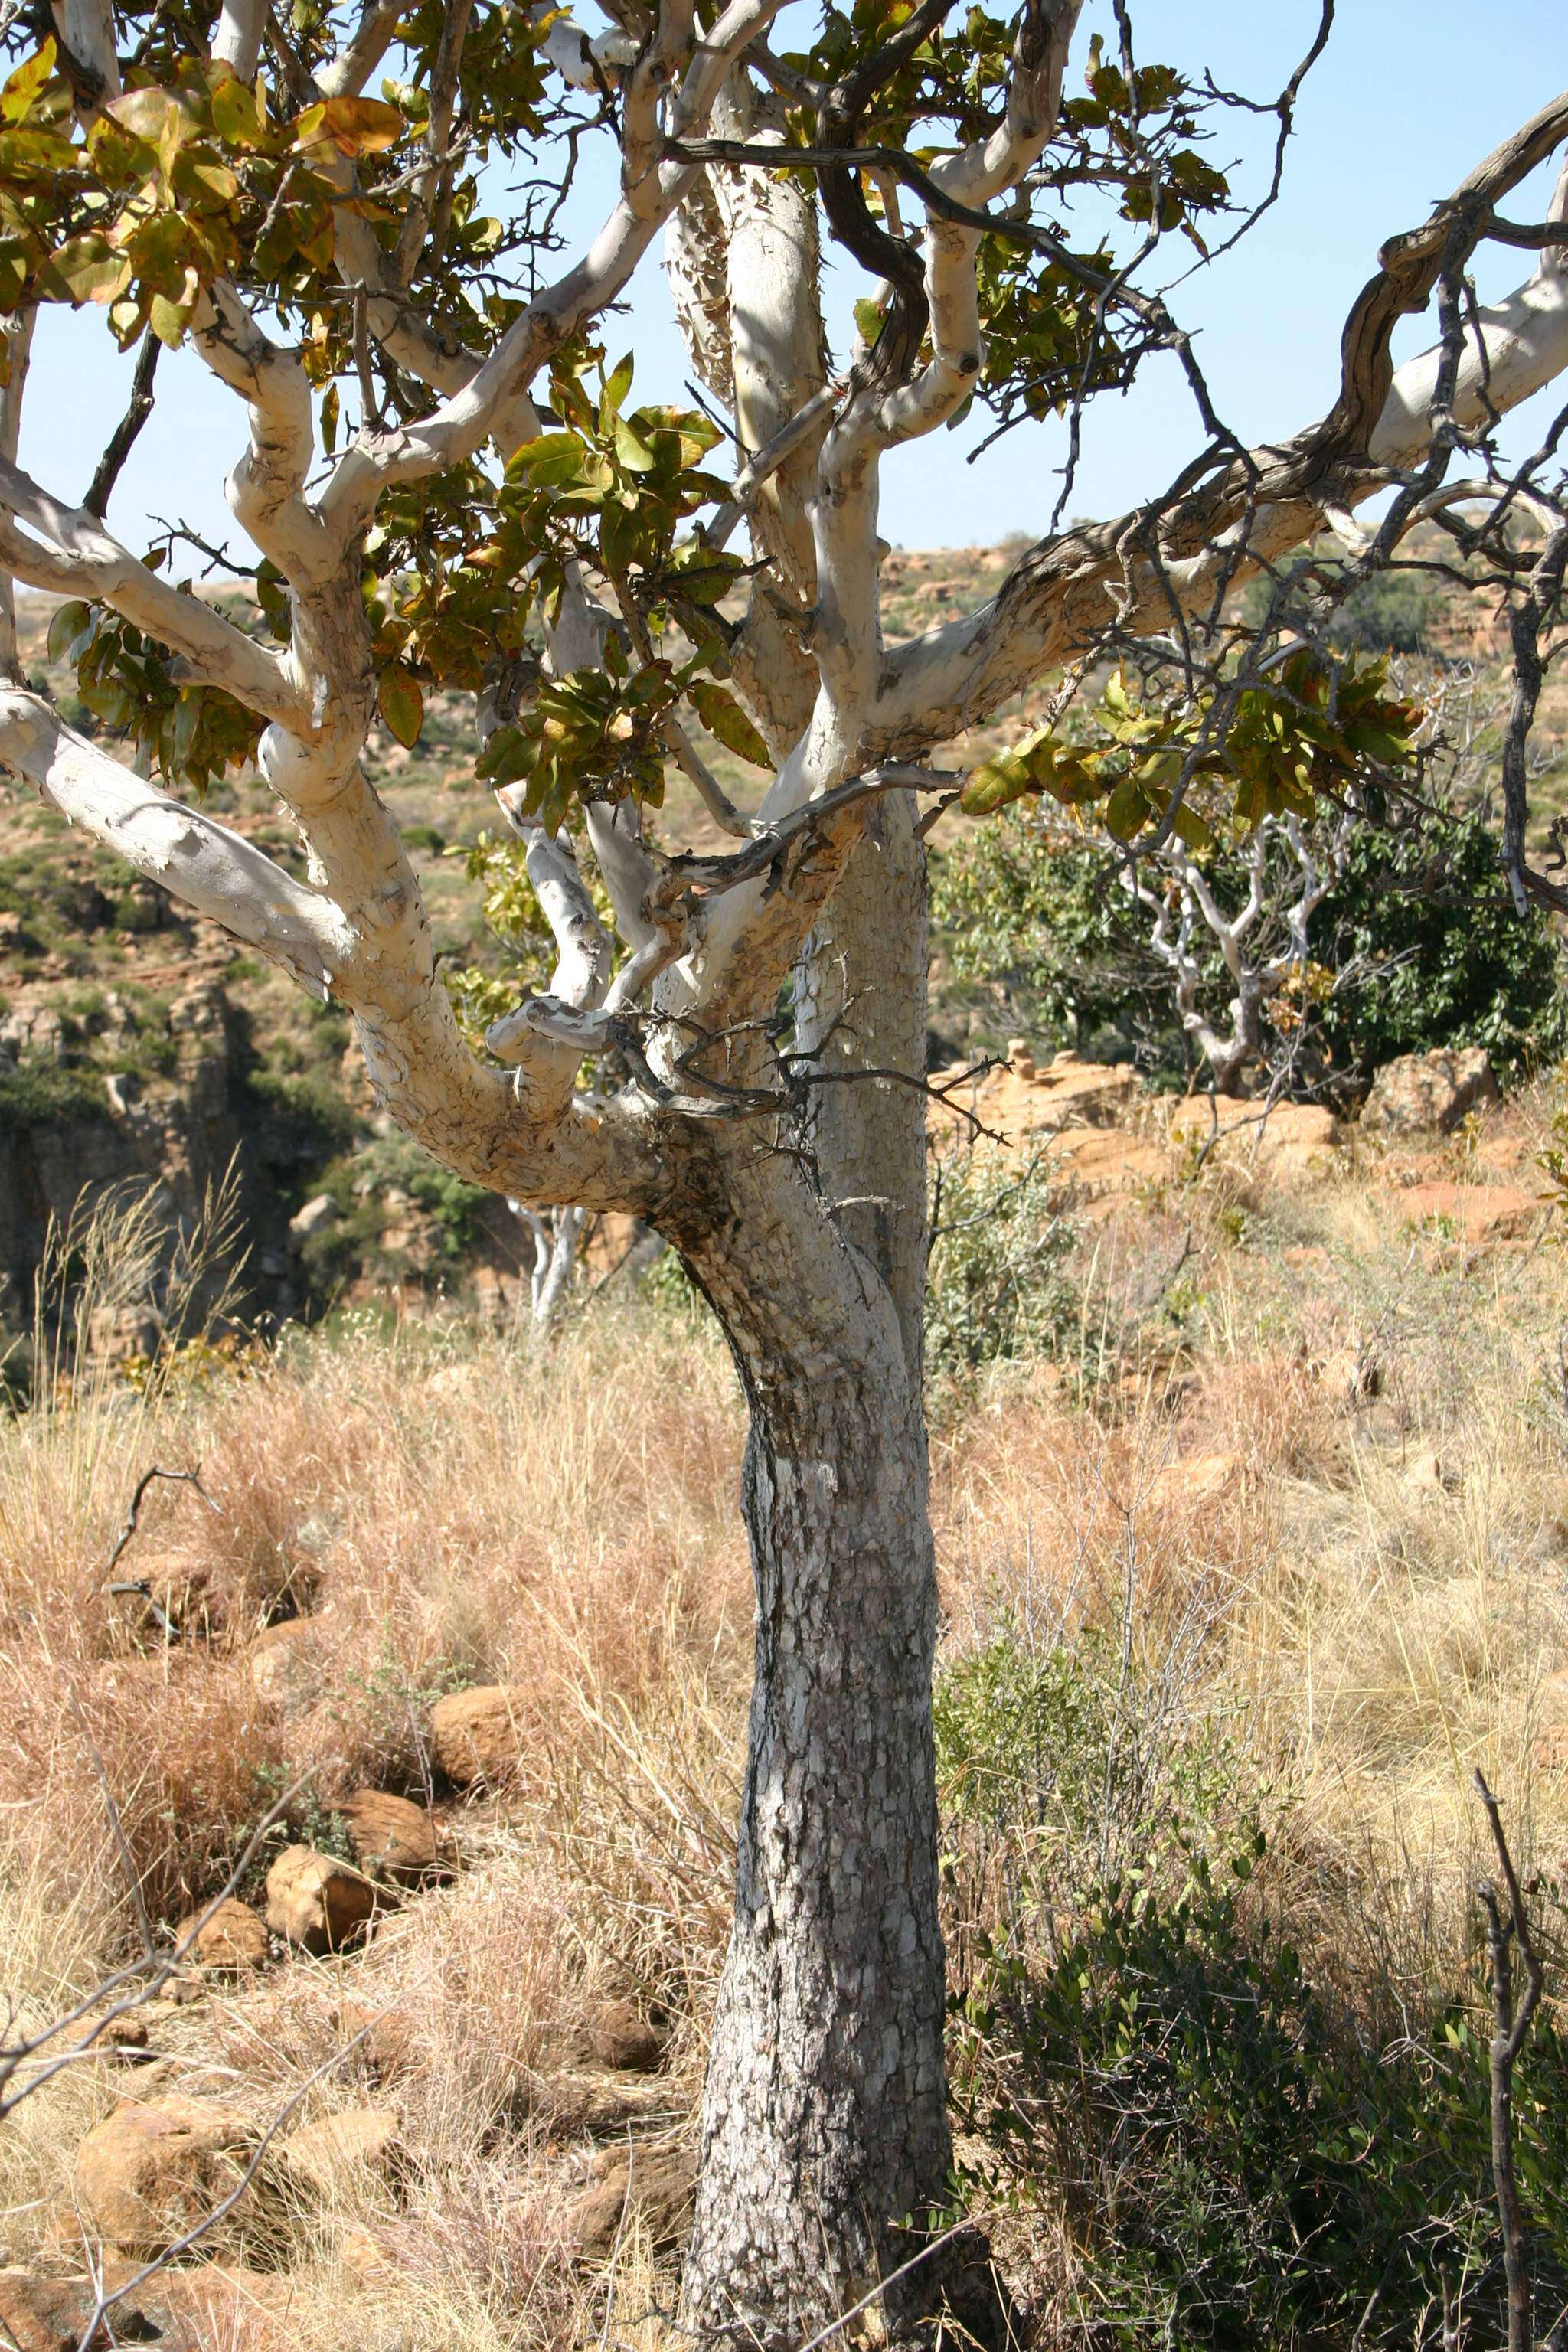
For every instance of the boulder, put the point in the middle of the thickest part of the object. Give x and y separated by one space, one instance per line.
1296 1130
315 1218
316 1901
474 1734
220 2307
152 2169
287 1665
651 2185
390 1837
1091 1094
620 2036
334 2147
233 1937
387 2041
218 2303
44 2315
1477 1212
1422 1091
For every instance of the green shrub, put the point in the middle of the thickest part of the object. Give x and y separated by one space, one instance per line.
302 1119
1035 915
35 1092
1142 2054
1423 924
995 1285
1419 941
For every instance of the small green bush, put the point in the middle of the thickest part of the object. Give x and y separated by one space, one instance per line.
1423 924
1141 2053
36 1092
303 1119
1419 940
995 1282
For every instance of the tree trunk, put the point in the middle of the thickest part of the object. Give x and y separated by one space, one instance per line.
860 1003
824 2136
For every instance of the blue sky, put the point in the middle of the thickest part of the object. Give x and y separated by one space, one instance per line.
1409 96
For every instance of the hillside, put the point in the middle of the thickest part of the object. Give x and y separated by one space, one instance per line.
137 1042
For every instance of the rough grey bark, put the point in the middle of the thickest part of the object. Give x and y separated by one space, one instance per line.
860 991
825 2124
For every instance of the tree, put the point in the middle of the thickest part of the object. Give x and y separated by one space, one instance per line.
502 520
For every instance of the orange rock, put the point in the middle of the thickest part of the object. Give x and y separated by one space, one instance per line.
233 1937
154 2167
475 1736
392 1838
1478 1212
287 1665
334 2147
316 1901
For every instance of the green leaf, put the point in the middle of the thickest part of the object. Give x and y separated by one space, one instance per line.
1189 827
616 387
169 321
329 419
71 623
1127 812
237 119
869 319
723 717
87 269
400 703
631 448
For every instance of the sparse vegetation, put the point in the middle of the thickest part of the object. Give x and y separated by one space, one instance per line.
1203 1722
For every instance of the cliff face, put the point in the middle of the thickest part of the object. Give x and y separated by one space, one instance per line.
168 1102
168 1125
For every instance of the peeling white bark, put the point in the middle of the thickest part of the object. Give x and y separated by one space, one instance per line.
217 872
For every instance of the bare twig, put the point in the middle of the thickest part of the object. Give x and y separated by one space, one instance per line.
123 438
1512 2023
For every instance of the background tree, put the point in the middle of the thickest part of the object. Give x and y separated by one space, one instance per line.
447 482
1393 932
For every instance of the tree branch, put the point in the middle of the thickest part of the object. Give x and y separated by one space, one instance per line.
73 551
220 872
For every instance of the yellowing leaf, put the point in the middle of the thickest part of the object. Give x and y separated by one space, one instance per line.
400 703
237 119
994 784
723 717
1189 826
354 126
631 448
169 320
24 87
1127 812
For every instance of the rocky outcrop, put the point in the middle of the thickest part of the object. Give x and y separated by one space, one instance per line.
155 2167
1422 1092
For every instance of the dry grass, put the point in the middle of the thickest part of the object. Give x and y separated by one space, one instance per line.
1368 1594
